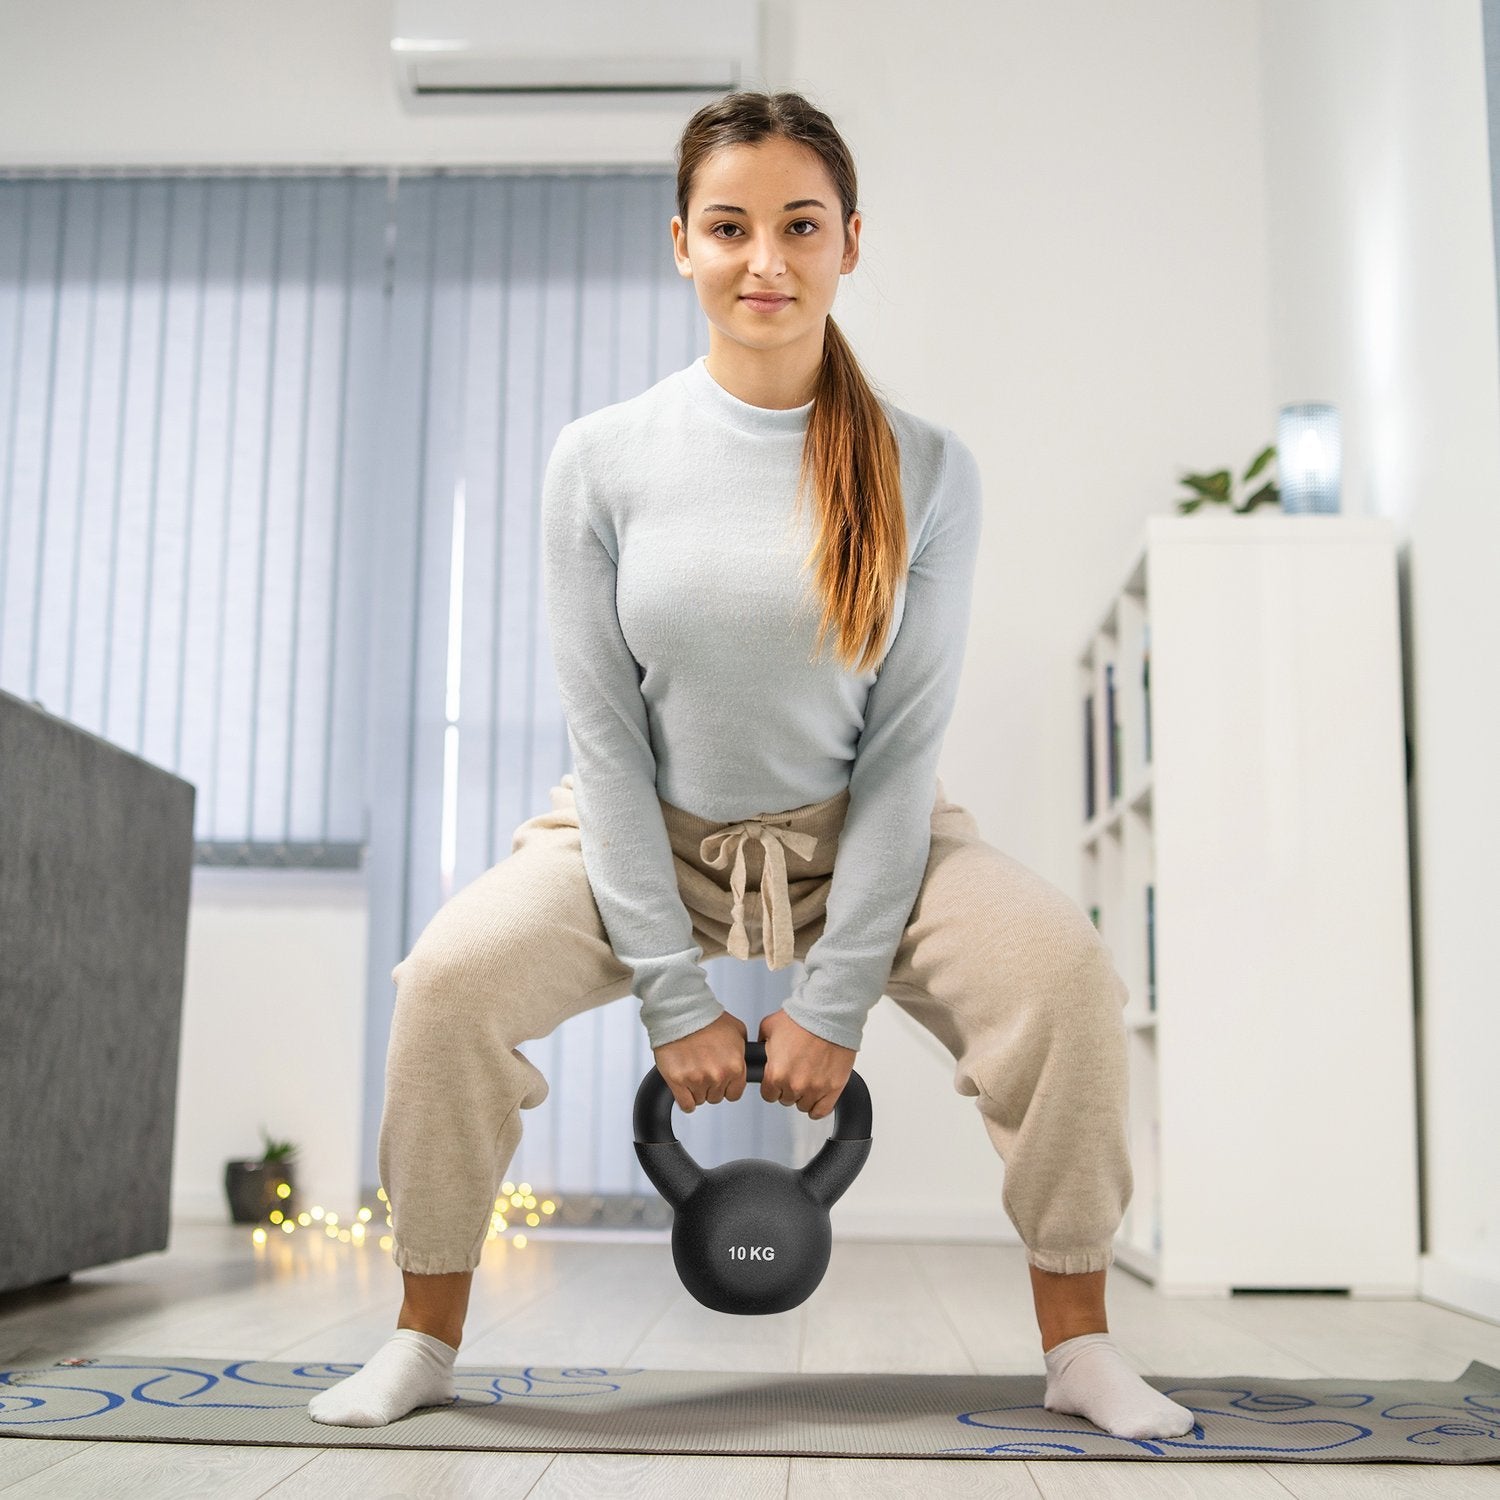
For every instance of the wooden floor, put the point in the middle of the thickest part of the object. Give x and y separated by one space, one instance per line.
894 1306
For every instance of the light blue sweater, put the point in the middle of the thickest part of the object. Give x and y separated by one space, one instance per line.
681 632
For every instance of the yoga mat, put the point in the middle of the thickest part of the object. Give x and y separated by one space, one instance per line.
533 1408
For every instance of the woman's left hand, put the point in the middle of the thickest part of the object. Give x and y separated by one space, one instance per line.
802 1068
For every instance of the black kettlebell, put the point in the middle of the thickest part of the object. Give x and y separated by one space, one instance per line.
751 1236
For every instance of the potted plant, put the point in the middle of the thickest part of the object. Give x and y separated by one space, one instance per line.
1216 488
252 1183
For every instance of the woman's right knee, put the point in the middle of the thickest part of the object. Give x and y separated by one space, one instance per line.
431 974
456 960
514 928
447 982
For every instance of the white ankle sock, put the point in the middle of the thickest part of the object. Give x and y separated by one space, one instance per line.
1088 1377
409 1370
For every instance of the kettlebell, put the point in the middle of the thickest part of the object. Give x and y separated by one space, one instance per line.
751 1236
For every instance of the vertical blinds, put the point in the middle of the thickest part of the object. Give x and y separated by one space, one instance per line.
188 374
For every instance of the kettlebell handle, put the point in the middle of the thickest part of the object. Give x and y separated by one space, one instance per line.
654 1101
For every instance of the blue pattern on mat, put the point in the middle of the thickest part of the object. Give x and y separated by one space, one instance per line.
1476 1417
570 1383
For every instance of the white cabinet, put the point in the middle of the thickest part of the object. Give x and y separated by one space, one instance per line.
1246 862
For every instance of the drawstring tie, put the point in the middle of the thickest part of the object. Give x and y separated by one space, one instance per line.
776 915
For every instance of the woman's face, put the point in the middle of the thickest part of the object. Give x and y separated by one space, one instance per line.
798 252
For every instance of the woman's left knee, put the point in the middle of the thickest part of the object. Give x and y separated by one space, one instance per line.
1082 972
1098 973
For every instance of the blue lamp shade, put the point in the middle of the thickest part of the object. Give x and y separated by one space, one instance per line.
1309 456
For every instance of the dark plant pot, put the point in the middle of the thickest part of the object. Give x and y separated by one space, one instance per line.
251 1188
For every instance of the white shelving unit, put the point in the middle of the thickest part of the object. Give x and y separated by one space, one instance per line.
1263 808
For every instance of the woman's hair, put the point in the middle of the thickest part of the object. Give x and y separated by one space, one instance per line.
849 454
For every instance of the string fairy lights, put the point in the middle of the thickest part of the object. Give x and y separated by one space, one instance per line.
513 1196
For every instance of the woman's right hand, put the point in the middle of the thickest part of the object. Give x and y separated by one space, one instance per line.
706 1066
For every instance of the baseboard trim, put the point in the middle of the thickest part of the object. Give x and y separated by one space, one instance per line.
1462 1289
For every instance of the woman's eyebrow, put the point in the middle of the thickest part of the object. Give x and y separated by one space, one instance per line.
729 208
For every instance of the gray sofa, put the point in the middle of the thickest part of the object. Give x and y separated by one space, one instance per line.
96 857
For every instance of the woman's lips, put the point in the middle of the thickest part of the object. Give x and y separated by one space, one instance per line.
766 304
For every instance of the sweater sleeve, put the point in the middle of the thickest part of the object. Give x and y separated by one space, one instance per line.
626 852
887 833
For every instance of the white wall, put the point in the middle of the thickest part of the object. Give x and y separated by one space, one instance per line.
273 1031
1103 243
1383 299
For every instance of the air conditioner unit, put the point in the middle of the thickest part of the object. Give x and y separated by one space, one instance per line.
574 46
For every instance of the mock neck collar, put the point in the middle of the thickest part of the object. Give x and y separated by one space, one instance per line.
763 420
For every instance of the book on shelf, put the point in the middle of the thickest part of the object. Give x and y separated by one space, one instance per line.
1146 685
1088 758
1112 731
1150 946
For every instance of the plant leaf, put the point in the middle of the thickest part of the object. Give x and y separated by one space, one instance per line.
1210 486
1261 460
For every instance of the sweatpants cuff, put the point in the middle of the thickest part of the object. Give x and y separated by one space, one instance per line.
1071 1262
429 1263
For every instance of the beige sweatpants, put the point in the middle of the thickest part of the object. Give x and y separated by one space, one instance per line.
999 964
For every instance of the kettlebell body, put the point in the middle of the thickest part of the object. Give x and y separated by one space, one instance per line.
751 1236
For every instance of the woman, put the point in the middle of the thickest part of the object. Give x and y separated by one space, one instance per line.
689 657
